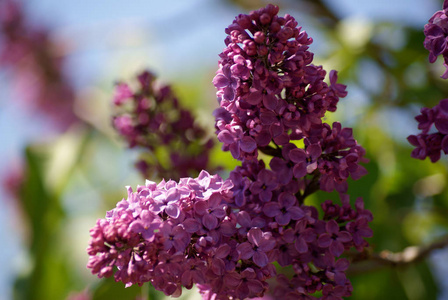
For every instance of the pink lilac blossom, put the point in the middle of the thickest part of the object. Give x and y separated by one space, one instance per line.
37 66
227 236
271 95
152 119
156 220
431 140
436 33
177 234
302 237
144 241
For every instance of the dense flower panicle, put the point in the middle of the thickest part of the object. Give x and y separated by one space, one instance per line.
328 241
227 237
302 237
341 157
270 93
177 234
267 83
436 33
431 141
174 234
158 231
152 118
37 66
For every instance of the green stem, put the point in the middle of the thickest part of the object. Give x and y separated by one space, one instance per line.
312 187
268 150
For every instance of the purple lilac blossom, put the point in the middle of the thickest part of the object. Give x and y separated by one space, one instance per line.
271 95
152 119
36 62
146 239
226 236
436 33
431 140
136 236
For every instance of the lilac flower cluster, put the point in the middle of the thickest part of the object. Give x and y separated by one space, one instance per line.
152 118
271 96
227 237
309 244
37 65
191 232
173 235
429 143
436 33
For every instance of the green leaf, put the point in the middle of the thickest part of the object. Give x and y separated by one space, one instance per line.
49 276
109 289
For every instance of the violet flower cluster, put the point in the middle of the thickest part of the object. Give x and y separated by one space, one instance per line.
176 234
432 140
37 65
429 142
436 34
271 96
152 119
250 235
164 233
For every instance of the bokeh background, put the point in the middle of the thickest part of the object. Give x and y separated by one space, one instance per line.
63 166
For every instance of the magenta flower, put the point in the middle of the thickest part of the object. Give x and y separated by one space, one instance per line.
168 285
300 236
246 223
224 260
241 68
146 225
331 292
284 210
282 168
305 160
258 244
240 185
226 81
210 211
436 32
193 272
122 94
174 236
265 184
234 140
284 96
335 270
169 264
261 95
430 144
333 239
245 283
37 67
339 89
359 230
285 253
151 119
